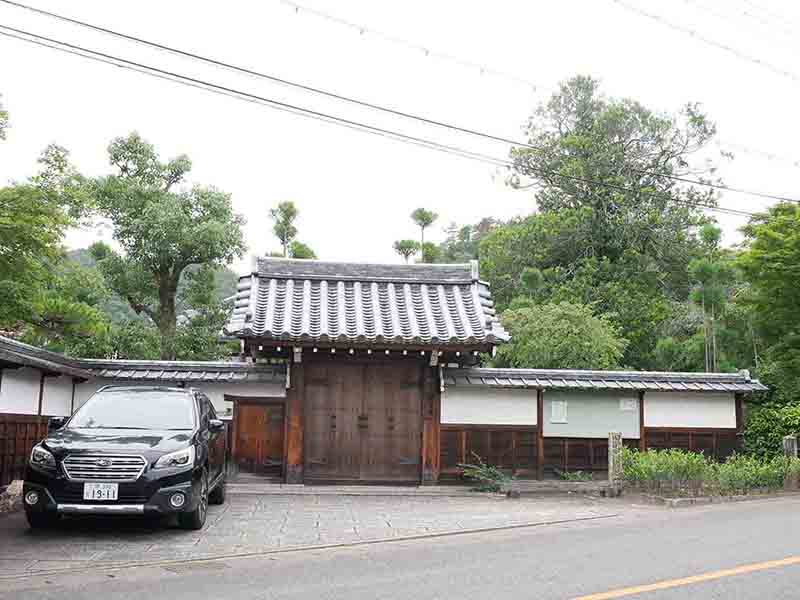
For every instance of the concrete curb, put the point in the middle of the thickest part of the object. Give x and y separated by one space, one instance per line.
115 566
706 500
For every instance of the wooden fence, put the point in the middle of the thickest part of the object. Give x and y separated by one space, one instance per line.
18 434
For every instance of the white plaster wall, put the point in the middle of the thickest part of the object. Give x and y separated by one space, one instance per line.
689 409
592 414
487 406
215 391
19 391
57 396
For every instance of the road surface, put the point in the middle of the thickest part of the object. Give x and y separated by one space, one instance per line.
739 550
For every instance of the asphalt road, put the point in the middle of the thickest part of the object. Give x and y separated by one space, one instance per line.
741 550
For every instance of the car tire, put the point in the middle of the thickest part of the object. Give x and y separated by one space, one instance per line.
40 520
217 495
197 518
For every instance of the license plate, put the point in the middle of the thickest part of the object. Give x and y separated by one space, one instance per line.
100 491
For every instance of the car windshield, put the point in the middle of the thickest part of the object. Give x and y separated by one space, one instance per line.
135 409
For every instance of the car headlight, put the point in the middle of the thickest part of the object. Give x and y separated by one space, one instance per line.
179 458
40 457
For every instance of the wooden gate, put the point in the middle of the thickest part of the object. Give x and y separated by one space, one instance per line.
18 435
363 422
258 445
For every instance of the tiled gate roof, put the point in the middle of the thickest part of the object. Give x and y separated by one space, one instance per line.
312 301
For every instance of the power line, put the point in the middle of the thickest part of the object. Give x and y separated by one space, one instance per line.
706 40
372 106
141 68
426 50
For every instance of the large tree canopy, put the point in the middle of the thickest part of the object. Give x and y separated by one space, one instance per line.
614 229
162 228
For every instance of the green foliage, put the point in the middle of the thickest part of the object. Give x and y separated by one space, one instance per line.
576 476
486 477
406 248
462 242
131 340
665 465
430 253
300 250
738 474
766 426
162 230
424 218
284 216
563 335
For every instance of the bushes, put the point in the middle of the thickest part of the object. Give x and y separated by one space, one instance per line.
486 477
766 426
689 473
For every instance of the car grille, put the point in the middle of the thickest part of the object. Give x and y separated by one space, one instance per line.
103 467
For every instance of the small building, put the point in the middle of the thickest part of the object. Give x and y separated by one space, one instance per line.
366 373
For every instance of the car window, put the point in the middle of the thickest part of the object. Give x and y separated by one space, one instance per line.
131 408
212 413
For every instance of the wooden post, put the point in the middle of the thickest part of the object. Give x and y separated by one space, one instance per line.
642 438
41 393
295 399
739 416
431 428
540 434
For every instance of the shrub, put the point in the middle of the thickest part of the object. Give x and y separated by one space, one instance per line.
766 426
740 473
488 478
576 476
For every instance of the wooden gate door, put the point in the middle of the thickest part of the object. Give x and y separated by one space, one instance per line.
333 403
363 422
391 439
259 438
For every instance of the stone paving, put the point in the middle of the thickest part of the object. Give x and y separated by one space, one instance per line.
257 523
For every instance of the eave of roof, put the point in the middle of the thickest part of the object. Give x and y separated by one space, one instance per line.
18 353
602 380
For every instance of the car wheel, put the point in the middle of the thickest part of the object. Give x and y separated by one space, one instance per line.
217 495
40 520
197 518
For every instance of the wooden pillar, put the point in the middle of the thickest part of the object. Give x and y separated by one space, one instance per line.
295 399
540 434
41 393
431 426
642 437
739 415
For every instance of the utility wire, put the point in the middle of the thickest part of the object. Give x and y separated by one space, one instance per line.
95 55
427 51
706 40
369 105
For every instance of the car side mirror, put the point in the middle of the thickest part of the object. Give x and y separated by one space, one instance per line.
216 425
56 423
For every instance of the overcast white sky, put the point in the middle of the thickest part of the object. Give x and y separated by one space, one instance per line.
355 191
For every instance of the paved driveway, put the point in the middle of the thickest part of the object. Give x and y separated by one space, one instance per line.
256 523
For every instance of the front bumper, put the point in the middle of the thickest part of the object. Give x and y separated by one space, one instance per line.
143 497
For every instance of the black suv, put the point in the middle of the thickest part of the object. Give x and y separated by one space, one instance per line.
130 450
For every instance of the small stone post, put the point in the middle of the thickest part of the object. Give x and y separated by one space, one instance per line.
790 480
615 462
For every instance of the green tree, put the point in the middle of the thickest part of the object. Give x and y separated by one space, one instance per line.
430 253
462 241
406 248
161 228
424 218
298 249
771 264
284 216
713 276
559 336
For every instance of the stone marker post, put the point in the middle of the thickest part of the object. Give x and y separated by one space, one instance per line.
790 480
615 462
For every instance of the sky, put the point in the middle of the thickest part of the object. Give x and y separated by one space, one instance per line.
355 191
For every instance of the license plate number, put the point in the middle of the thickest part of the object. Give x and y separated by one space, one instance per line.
100 491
